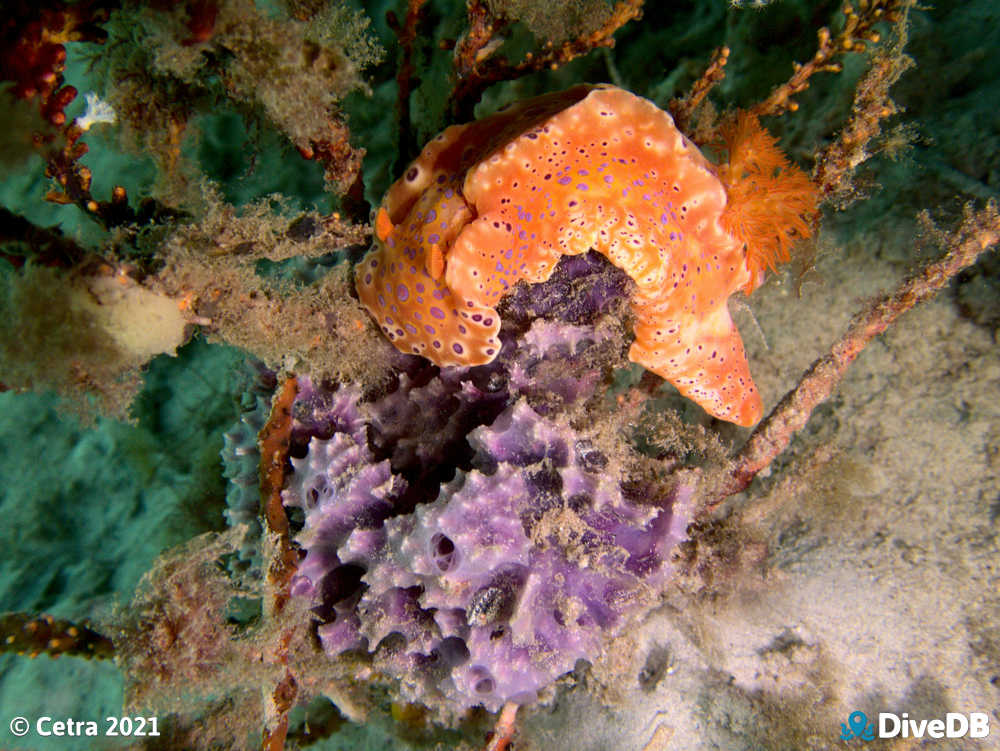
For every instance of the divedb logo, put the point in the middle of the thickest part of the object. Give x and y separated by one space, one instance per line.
954 725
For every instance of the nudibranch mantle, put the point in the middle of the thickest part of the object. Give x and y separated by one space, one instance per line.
501 199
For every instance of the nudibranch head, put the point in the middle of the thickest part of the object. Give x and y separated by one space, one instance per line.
500 200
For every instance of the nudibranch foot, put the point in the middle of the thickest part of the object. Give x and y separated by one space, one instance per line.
500 200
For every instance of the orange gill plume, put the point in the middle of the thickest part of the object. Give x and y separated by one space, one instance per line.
770 202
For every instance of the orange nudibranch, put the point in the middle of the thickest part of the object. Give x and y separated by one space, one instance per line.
499 200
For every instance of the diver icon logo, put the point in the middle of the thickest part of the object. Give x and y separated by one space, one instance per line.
860 728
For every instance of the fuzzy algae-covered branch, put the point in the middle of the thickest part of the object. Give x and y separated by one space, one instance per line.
859 31
683 108
476 68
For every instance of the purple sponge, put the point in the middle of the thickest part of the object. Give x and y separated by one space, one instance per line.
498 587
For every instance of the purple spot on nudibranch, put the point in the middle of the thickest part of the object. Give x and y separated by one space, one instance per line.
368 278
487 322
436 312
582 186
458 348
429 329
433 238
565 180
402 293
411 329
431 216
608 179
438 294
